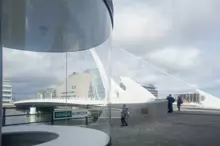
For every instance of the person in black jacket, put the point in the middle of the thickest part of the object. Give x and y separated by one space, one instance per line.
179 102
123 115
171 100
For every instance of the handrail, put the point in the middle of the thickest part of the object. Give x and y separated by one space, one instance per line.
26 123
4 116
17 115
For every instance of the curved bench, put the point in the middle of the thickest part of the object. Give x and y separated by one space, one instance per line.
43 135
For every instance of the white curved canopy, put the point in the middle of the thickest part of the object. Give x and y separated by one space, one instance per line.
55 25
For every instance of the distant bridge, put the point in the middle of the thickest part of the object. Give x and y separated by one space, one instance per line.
134 93
57 102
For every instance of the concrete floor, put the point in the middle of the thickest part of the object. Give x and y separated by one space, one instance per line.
175 130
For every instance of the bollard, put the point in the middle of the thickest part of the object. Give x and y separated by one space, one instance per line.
3 116
52 116
86 120
87 107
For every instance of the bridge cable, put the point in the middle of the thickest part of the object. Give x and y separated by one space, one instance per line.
157 68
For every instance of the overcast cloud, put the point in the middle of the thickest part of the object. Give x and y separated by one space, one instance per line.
180 37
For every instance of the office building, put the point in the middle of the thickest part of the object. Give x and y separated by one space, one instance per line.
49 93
152 89
85 85
188 97
7 92
78 87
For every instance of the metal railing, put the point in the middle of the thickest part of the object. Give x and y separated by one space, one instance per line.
26 115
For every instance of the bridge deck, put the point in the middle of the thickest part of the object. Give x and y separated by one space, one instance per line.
9 106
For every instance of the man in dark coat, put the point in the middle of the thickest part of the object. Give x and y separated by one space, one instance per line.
171 100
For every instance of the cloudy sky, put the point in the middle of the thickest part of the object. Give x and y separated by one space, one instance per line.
179 37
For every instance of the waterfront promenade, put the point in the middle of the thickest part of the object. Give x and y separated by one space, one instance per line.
186 128
190 127
175 130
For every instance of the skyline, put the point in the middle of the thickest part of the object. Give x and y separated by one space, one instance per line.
159 85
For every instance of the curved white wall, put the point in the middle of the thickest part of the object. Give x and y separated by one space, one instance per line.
134 92
210 100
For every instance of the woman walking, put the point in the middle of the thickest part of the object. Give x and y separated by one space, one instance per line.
179 102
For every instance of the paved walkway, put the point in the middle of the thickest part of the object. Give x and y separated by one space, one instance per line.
174 130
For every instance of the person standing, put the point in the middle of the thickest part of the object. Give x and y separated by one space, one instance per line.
126 116
123 115
171 100
179 102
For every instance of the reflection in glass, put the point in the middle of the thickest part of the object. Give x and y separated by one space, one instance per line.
59 83
51 60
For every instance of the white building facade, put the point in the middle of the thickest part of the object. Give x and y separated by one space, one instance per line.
7 92
77 87
84 85
152 89
190 97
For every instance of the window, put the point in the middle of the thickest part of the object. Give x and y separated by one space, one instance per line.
117 94
5 97
122 86
7 93
68 92
64 96
7 88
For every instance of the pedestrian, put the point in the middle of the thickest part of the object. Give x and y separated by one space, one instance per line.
171 100
179 102
126 116
123 115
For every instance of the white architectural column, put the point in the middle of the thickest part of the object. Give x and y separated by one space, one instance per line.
32 118
32 110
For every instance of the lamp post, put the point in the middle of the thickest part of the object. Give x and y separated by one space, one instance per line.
1 62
